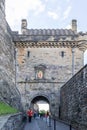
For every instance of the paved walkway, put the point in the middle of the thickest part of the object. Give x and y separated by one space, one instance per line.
3 120
43 124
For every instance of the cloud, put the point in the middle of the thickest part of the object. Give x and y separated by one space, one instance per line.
21 8
67 12
67 0
68 26
39 8
46 0
53 15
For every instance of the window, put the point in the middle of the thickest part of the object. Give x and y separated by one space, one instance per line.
28 53
62 53
14 54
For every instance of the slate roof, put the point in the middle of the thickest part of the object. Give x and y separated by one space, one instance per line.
51 32
45 35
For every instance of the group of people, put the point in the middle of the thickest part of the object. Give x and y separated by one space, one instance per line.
31 113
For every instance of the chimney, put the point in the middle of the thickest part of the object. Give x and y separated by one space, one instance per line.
23 26
74 25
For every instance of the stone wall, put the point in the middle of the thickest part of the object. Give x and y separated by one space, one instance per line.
56 64
55 74
73 105
12 122
8 90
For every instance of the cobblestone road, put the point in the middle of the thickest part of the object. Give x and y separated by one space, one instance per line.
43 124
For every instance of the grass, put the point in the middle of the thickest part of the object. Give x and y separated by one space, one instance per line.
6 109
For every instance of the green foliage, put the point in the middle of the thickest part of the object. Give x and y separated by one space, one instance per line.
42 111
6 109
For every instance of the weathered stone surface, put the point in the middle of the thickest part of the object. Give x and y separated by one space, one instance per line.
9 92
11 122
74 100
58 70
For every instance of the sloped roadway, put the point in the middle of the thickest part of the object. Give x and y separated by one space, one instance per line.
43 124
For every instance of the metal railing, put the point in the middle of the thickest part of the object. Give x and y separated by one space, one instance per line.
52 122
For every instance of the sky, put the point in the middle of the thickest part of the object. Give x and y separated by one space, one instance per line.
44 106
47 14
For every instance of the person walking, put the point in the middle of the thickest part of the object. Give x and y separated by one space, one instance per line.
30 114
35 114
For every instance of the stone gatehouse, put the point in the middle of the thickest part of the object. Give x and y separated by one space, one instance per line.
45 60
37 62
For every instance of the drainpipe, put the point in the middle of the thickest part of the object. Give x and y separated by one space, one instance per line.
15 51
73 65
16 67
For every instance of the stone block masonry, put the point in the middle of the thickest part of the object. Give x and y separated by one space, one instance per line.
74 100
8 90
11 122
58 69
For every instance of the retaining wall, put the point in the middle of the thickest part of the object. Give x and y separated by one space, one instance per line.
11 122
73 107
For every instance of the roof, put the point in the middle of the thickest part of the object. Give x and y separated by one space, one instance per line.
45 35
50 32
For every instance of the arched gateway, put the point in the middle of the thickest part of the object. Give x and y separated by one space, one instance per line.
45 60
43 98
39 98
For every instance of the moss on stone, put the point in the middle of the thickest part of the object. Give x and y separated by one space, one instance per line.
6 109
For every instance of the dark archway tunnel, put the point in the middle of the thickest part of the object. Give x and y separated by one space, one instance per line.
40 98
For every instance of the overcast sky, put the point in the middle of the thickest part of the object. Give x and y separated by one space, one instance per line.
47 14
